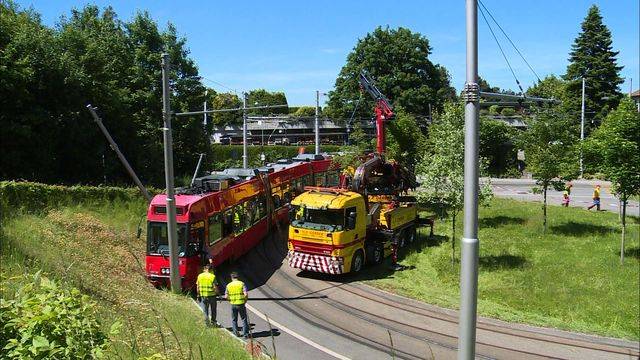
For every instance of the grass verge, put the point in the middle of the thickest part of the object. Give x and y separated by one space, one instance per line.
94 248
569 278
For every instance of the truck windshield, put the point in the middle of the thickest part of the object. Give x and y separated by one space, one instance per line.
319 219
158 240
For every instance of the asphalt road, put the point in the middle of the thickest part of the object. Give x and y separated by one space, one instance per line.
312 316
581 194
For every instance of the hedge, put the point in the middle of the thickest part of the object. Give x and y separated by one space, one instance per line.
22 196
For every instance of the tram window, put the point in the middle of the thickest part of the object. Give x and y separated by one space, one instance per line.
196 240
320 179
249 211
276 201
308 180
262 207
238 219
333 179
286 198
215 228
298 185
227 222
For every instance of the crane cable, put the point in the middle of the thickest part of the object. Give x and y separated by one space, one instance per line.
501 50
508 38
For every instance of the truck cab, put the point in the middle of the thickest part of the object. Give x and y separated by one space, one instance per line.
327 231
336 231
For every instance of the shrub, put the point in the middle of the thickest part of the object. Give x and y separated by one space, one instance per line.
44 321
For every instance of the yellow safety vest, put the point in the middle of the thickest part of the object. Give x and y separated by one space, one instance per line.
206 282
235 291
596 193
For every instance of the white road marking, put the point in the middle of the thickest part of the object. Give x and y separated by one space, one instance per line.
296 335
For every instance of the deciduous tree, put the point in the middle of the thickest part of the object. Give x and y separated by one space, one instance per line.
398 59
441 170
616 144
551 156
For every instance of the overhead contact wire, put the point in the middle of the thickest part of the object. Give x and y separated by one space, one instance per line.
509 39
501 50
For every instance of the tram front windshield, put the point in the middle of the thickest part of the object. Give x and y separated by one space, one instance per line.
158 240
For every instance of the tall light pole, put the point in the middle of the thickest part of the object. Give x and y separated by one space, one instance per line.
470 243
206 92
582 126
245 159
168 174
317 124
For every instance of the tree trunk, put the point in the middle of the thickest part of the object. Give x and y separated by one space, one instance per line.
624 223
544 209
453 239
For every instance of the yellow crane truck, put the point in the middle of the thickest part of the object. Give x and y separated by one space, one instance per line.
338 230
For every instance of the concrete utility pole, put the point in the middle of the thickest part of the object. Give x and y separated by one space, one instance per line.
245 159
172 233
115 148
470 243
582 126
317 125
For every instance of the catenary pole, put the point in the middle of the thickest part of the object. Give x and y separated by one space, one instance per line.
317 124
470 244
176 286
245 159
115 148
582 126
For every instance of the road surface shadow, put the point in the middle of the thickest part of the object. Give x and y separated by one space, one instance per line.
266 333
573 228
501 262
500 220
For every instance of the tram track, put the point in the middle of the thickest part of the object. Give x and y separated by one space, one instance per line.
331 313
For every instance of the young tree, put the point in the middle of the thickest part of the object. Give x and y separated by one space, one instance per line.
441 169
550 151
398 59
593 58
616 144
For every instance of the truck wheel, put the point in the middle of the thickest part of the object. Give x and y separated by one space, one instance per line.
357 261
410 235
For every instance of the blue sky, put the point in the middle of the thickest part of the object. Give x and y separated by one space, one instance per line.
300 46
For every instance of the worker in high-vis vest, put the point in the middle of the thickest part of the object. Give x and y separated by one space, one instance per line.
596 198
207 288
237 295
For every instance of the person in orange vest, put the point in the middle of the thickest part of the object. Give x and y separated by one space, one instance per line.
237 295
596 198
207 289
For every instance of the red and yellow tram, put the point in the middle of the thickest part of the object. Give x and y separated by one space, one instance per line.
228 213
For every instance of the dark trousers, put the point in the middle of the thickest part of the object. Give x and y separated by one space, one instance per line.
242 310
209 307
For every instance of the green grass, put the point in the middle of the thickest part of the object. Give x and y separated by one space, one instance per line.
570 278
94 248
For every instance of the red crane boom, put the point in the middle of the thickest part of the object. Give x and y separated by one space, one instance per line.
384 111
